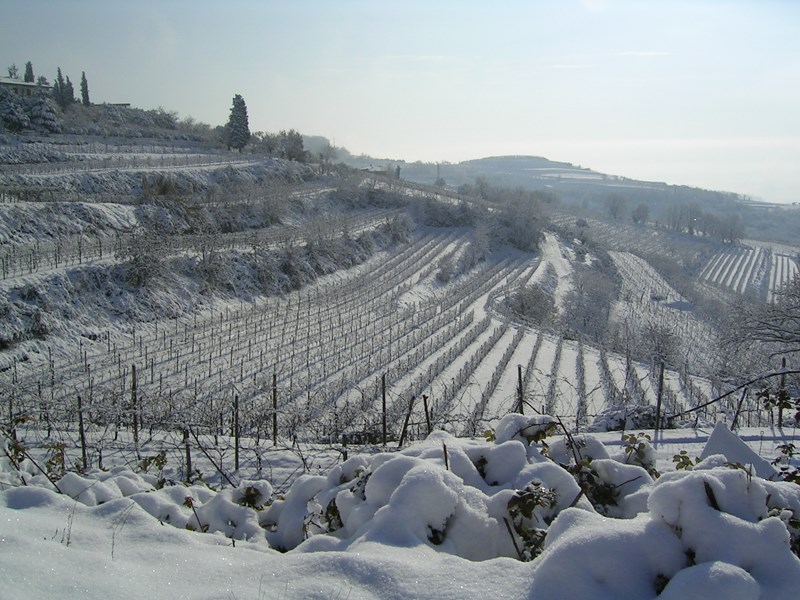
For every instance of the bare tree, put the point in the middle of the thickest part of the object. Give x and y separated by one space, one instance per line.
616 204
660 343
640 213
776 326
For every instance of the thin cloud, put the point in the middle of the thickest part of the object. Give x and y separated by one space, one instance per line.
645 53
419 57
568 66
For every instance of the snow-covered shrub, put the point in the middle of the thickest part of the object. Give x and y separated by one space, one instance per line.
12 112
723 515
532 303
625 416
590 556
143 255
716 530
35 112
525 429
637 449
43 114
712 532
612 487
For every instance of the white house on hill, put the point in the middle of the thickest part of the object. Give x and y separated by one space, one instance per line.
22 88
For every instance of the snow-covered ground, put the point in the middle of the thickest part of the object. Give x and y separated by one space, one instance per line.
444 518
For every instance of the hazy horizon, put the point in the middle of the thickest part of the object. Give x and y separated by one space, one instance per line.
700 93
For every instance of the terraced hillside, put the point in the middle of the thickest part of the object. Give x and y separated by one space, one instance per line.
262 327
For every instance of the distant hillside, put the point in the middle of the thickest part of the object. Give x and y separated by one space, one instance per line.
589 191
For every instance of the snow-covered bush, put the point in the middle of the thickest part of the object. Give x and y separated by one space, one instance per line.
592 524
12 112
622 417
35 112
43 114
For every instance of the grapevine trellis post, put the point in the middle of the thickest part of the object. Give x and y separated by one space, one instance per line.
520 390
405 423
236 432
133 409
782 391
383 405
660 394
188 454
82 433
427 412
738 409
274 408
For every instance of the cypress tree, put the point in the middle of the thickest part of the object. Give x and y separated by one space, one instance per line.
59 87
238 127
69 93
84 89
29 72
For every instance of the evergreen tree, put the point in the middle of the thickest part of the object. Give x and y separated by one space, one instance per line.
12 112
59 93
43 114
238 127
69 93
291 145
29 72
84 89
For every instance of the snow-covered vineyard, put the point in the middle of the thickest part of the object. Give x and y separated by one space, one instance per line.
756 269
323 357
248 363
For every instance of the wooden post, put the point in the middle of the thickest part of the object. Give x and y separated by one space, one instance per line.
782 393
188 453
134 409
520 390
658 399
82 433
427 412
383 398
405 423
274 408
738 409
236 432
12 427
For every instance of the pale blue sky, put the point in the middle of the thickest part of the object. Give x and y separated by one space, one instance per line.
696 92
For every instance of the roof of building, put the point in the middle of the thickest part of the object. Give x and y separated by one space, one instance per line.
20 82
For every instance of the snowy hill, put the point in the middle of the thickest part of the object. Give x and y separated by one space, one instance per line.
285 383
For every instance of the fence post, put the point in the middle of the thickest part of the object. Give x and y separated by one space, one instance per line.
782 393
188 453
82 433
383 398
658 399
236 432
738 409
274 408
427 412
134 409
405 423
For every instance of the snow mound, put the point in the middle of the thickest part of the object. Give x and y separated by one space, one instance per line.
589 523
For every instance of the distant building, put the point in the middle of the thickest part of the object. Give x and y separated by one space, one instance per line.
383 171
22 88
